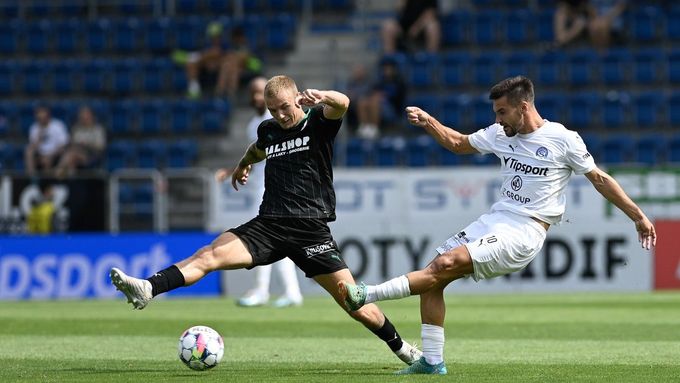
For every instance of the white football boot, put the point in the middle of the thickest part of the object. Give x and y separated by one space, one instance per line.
408 354
137 291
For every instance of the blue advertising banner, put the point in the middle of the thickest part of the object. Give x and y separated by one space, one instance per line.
77 266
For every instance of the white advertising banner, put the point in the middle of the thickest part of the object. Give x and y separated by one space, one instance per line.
390 221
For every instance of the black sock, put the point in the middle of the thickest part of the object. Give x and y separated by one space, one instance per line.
166 280
389 335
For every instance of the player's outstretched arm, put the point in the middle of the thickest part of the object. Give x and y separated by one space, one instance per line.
336 103
240 173
447 137
614 193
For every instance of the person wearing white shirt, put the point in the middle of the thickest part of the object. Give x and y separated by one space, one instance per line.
537 159
259 294
47 139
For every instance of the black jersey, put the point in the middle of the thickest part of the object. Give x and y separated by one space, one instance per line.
298 177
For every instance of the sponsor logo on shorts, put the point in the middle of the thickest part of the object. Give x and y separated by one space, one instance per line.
320 248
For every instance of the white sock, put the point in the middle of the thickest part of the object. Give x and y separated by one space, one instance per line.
393 289
433 343
262 278
286 269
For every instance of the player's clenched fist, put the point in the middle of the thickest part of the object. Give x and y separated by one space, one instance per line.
416 116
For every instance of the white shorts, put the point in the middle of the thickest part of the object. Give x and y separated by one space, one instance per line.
499 242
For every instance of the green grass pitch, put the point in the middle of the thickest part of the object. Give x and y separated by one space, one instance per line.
513 338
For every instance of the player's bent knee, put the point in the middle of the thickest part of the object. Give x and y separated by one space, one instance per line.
450 263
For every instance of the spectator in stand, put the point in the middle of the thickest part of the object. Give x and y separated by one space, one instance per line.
414 18
47 140
239 65
599 20
385 102
88 140
357 88
203 68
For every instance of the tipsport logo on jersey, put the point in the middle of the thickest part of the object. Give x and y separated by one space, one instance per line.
519 167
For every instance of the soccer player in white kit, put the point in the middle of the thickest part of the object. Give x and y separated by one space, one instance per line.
259 294
537 159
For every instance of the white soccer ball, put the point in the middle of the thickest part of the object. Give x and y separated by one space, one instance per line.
200 348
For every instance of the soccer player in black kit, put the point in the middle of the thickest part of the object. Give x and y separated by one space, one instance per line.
298 202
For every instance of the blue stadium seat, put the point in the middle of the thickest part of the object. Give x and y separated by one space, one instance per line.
648 110
582 68
11 34
186 7
9 114
159 35
37 8
182 116
673 23
447 157
423 69
26 116
127 35
390 151
674 109
11 157
72 8
545 30
124 117
9 9
615 66
482 112
178 79
488 25
593 145
483 159
454 111
152 118
455 28
35 76
125 76
219 6
359 152
674 66
647 67
280 32
583 111
674 149
191 35
428 102
455 69
38 36
551 106
143 195
95 75
151 154
182 153
97 36
68 36
421 151
213 114
550 68
646 22
9 72
651 149
617 149
66 110
519 63
254 26
120 154
485 69
156 74
615 107
519 26
65 77
134 7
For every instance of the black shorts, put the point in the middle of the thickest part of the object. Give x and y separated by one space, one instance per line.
306 241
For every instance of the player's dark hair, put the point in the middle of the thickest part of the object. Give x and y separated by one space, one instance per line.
518 89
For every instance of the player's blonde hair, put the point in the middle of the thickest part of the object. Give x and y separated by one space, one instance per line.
277 84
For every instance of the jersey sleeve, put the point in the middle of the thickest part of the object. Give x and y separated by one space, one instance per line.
484 140
577 156
261 132
329 128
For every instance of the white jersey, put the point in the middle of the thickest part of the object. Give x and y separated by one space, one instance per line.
50 138
256 177
536 167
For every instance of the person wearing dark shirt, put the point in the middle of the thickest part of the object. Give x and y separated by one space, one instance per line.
298 203
385 102
414 18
